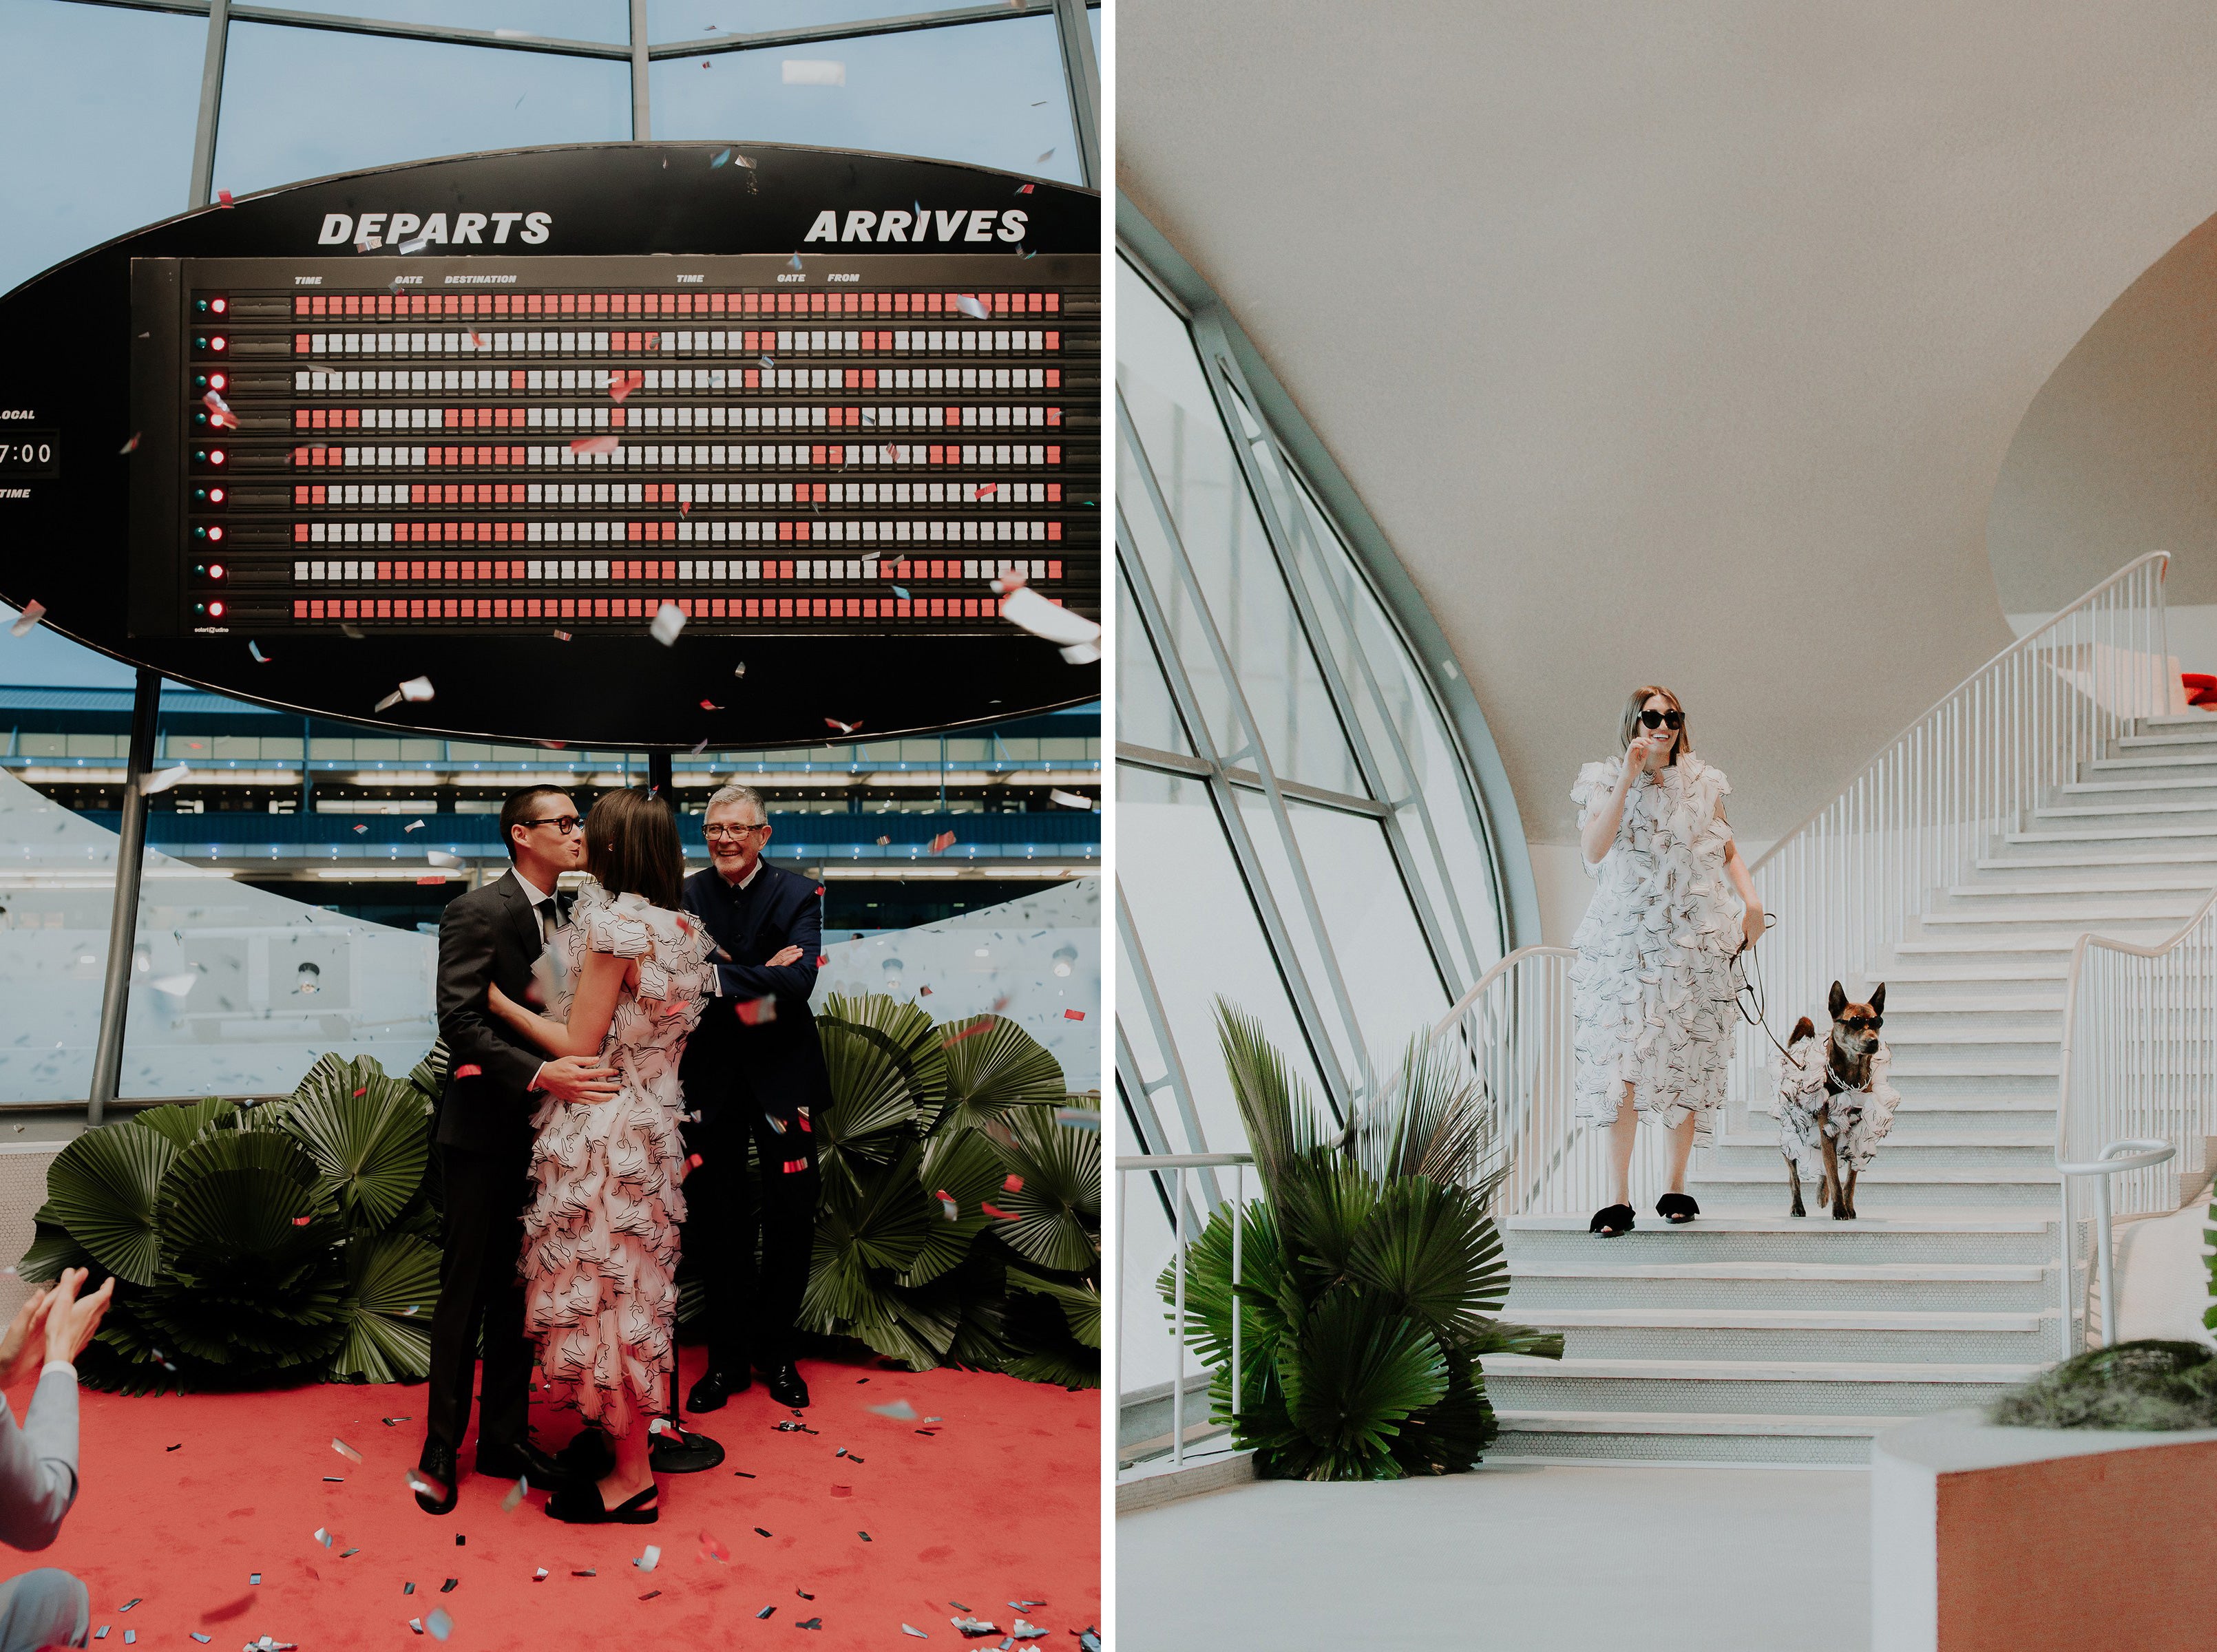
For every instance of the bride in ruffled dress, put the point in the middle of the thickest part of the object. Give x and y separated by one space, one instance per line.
600 1256
1651 993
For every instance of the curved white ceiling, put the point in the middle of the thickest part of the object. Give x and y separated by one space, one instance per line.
1678 343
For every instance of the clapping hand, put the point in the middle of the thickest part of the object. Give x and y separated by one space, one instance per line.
20 1349
70 1322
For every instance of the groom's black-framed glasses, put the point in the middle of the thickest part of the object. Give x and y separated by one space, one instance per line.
735 833
564 824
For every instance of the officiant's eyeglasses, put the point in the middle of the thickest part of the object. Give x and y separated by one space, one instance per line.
564 824
734 832
1664 720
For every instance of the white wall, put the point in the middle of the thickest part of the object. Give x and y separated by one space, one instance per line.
1679 344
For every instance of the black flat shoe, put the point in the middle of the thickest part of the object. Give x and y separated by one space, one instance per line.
1611 1220
1677 1209
587 1457
435 1479
527 1462
716 1387
582 1507
785 1386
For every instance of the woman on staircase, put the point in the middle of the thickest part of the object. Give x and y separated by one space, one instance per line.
1652 996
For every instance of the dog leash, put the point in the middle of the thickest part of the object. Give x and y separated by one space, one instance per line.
1748 998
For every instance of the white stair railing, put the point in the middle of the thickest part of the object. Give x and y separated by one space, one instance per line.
2139 1065
1512 1030
1845 882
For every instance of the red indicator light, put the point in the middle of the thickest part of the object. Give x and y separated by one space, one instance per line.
215 456
219 304
217 380
215 570
216 534
215 495
216 343
215 610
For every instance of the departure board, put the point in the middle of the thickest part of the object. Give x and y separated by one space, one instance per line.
658 445
482 443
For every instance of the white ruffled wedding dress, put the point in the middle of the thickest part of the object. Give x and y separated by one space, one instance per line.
1651 989
600 1251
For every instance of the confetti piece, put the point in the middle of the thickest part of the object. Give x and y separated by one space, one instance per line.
338 1446
756 1012
223 198
909 1630
1012 1184
740 670
594 445
588 1572
162 779
722 158
1009 579
408 249
810 1623
899 1410
255 649
419 1483
625 384
864 1536
1031 612
254 1577
669 621
360 829
796 260
923 992
32 613
441 858
650 1595
322 1537
762 1531
766 362
477 341
354 632
539 1576
843 728
132 1602
649 1560
1025 190
1070 800
132 445
942 843
514 1496
712 1548
1044 158
975 1626
765 1611
348 1554
407 1588
450 1585
901 591
971 306
176 985
1073 1014
996 1213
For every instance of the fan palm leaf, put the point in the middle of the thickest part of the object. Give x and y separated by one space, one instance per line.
1431 1119
369 1150
964 1167
186 1122
1055 1206
392 1291
1080 1303
886 1069
103 1188
993 1065
1282 1125
52 1251
1431 1250
1358 1369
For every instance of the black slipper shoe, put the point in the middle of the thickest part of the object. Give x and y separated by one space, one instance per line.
1617 1218
582 1507
1677 1209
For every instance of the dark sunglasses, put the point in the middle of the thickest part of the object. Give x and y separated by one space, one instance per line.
1860 1023
1664 720
564 824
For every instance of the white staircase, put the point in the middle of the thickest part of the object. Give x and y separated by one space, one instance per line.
1751 1336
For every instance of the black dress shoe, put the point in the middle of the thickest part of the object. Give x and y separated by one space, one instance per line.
785 1386
717 1386
435 1476
582 1505
524 1461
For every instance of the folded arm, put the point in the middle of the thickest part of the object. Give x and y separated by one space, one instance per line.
791 972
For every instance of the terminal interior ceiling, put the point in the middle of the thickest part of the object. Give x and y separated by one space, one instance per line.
1708 377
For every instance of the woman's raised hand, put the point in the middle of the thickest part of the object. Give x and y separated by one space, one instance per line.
1637 754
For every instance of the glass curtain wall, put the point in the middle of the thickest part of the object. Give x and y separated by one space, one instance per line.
1298 834
122 114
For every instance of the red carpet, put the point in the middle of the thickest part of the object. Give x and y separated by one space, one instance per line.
1002 1503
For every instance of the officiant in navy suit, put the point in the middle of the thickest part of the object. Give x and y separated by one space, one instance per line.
753 1071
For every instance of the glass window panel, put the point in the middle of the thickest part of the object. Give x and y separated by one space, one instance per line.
608 21
99 120
1144 713
219 1002
324 748
45 745
1161 382
988 94
1201 938
699 20
301 102
280 746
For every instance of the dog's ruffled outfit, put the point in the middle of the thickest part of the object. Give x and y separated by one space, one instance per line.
1857 1120
1652 994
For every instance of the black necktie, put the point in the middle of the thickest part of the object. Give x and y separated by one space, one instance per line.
554 913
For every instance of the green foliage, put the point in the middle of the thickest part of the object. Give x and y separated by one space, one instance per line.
2147 1384
255 1245
1368 1274
925 1115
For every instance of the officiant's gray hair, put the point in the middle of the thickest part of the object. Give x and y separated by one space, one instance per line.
739 794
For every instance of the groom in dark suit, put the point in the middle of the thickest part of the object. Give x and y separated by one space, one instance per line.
495 935
753 1070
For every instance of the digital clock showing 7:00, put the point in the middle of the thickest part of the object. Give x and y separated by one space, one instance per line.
29 452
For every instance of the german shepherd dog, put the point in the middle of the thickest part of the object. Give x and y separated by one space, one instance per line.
1853 1043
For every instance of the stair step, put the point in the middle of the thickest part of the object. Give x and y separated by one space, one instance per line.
2037 1141
1880 1174
1921 1223
2181 739
2173 909
1842 1272
1687 1422
2181 857
1753 1371
1943 1038
2143 884
2147 833
1785 1319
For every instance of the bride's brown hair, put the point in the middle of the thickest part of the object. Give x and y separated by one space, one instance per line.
1636 704
632 847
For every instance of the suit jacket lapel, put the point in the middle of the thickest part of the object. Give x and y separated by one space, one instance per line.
523 915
